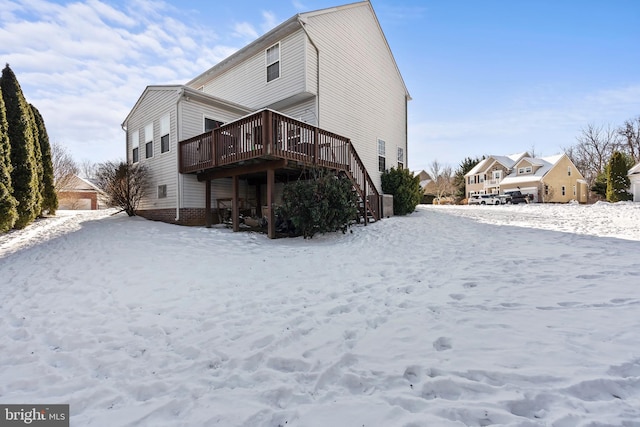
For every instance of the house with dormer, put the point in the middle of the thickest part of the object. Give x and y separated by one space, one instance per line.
321 90
553 179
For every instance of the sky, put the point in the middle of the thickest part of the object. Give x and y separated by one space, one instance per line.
485 76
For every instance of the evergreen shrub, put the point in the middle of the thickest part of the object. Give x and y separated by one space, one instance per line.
324 203
405 188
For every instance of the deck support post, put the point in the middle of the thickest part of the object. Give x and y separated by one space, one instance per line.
235 207
365 202
270 214
207 203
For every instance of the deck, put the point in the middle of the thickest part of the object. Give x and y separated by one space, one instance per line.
268 141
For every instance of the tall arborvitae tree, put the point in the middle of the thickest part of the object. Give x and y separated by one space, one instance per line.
25 170
617 179
37 153
49 196
8 212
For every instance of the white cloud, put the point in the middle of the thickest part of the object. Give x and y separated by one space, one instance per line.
299 6
245 30
84 64
269 21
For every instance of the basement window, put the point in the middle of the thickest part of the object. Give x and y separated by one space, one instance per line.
162 191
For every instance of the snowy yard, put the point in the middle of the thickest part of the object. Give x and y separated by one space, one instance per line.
523 315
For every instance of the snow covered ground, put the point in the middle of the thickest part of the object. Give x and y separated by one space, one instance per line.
522 315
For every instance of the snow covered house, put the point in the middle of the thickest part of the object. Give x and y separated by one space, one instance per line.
634 177
553 179
322 89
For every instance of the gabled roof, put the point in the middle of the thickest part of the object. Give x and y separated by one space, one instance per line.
186 91
290 26
635 170
507 161
482 165
77 183
545 163
517 156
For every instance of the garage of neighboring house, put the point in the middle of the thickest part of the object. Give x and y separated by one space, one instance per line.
80 194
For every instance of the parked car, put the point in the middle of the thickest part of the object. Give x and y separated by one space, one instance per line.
516 197
503 199
483 199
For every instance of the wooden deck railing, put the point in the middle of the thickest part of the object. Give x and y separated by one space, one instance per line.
269 135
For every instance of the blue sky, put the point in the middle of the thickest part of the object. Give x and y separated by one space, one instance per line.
486 76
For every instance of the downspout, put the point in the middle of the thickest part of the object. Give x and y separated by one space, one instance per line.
126 135
178 137
317 70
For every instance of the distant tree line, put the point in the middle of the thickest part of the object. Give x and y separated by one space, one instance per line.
26 170
604 155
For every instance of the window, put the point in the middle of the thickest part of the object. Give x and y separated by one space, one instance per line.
569 170
148 140
135 141
546 190
210 124
381 156
563 190
526 169
400 158
165 124
273 62
162 191
575 190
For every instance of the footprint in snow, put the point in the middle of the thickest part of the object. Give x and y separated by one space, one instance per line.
442 343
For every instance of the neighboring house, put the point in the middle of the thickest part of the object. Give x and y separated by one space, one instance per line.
553 179
80 194
428 187
634 177
322 89
486 176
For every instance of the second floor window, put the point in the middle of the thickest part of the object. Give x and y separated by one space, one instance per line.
148 140
164 133
400 158
135 141
526 169
273 62
381 156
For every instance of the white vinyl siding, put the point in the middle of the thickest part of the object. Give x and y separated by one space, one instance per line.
362 96
155 104
246 84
